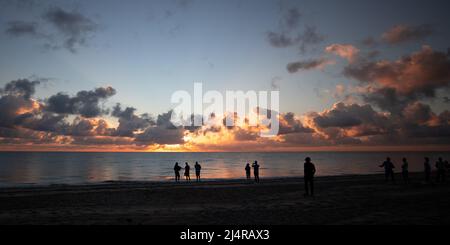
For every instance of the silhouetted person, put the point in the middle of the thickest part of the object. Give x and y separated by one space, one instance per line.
309 171
247 170
198 168
405 171
256 171
427 169
187 175
440 174
388 169
177 169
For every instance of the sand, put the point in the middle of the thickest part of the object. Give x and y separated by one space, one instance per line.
364 199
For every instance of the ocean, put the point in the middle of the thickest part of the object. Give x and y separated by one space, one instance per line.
44 168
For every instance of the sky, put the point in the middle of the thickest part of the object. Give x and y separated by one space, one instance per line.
99 75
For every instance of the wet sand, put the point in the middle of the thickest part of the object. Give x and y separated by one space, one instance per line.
362 199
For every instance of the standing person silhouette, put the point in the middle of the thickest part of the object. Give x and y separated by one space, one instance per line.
388 169
187 175
177 169
427 169
247 170
198 168
256 171
405 172
309 171
440 166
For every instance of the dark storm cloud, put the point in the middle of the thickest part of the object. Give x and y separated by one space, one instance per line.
387 99
89 127
418 112
345 116
290 125
404 33
75 27
397 83
16 100
28 136
306 65
20 87
160 135
129 123
47 122
164 132
85 103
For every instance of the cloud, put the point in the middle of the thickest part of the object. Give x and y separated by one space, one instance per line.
25 120
20 87
280 40
71 29
22 28
404 80
345 51
85 103
418 113
129 123
16 101
290 33
307 65
292 18
161 134
309 37
47 122
344 116
369 41
289 124
75 27
405 33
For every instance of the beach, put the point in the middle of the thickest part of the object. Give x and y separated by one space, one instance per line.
355 199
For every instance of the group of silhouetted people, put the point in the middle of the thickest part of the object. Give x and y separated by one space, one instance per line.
198 168
248 169
309 171
441 168
187 170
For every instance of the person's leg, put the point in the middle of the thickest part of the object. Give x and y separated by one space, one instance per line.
306 187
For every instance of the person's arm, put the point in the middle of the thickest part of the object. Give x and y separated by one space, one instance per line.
314 169
382 165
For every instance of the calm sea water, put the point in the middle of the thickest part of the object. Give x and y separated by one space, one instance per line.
31 168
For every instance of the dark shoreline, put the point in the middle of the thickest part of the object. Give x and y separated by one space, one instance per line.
112 183
350 199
